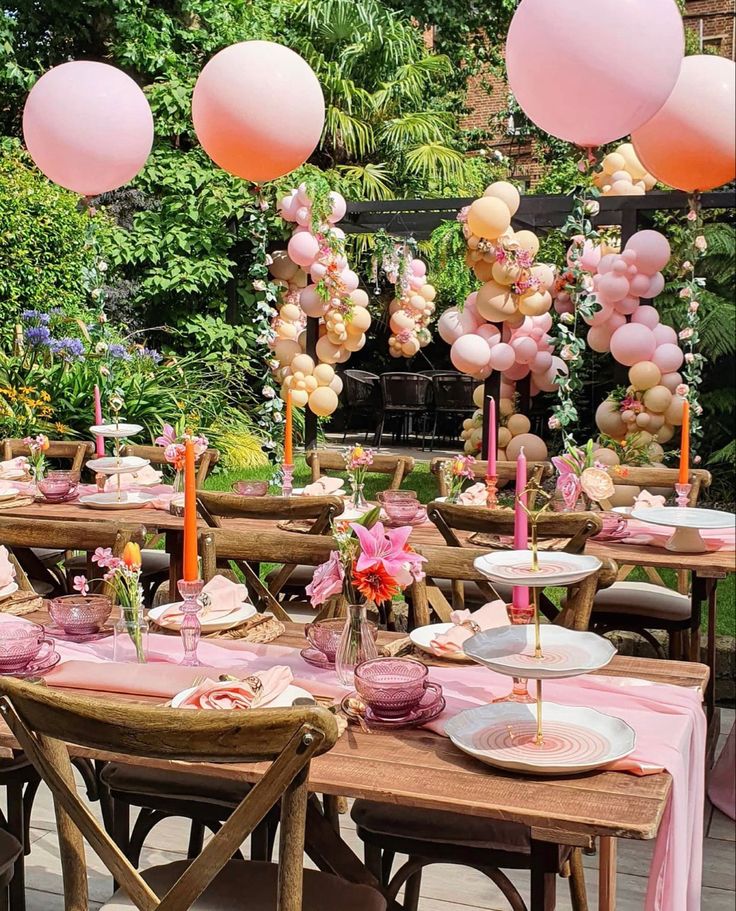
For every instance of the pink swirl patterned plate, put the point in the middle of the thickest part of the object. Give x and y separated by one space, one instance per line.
554 567
575 739
565 652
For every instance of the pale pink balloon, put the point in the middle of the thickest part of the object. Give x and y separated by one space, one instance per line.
671 380
453 324
633 343
470 301
599 338
601 316
469 353
489 332
536 334
590 257
339 208
416 282
639 284
258 110
668 357
517 371
303 216
656 286
349 279
564 306
533 388
605 264
302 195
543 322
626 306
652 250
602 49
317 271
88 127
310 301
629 256
303 248
418 267
613 286
615 320
646 315
287 207
665 335
526 350
542 362
620 266
502 356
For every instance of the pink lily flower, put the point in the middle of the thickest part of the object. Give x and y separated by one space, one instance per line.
388 549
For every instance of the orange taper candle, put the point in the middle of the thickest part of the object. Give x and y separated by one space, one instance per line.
685 444
288 431
191 565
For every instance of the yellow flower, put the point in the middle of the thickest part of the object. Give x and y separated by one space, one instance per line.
358 452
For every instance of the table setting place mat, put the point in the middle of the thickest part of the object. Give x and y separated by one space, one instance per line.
258 628
20 603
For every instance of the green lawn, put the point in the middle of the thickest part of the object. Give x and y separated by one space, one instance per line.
424 484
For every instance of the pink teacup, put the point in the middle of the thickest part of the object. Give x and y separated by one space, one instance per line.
21 644
80 615
403 510
396 496
392 687
324 635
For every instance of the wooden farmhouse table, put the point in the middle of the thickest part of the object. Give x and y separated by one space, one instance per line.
418 768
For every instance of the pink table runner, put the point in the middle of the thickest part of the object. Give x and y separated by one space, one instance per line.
162 493
668 720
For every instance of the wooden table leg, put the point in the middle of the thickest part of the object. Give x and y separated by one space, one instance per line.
174 545
607 874
544 863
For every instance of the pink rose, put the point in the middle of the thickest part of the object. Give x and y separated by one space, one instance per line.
686 293
686 333
327 580
692 215
569 486
682 389
701 243
689 357
694 306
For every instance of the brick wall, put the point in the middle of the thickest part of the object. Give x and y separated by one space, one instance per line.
711 19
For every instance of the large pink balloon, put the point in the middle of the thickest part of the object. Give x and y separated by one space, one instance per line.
664 334
600 51
668 357
502 356
690 143
258 110
88 126
469 353
652 250
632 343
647 316
302 248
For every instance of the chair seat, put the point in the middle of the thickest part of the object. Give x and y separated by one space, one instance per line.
10 851
439 827
251 886
643 599
129 782
153 562
47 555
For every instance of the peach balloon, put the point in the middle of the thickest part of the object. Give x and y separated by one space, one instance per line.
690 143
504 437
673 414
505 273
483 271
608 420
285 349
282 266
488 217
535 449
645 375
258 110
359 321
311 302
324 374
671 380
599 338
528 241
657 399
518 423
535 304
326 351
323 401
505 407
354 342
506 192
359 297
493 299
88 126
299 397
606 457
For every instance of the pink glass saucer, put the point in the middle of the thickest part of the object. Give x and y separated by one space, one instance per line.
316 658
430 707
57 632
40 498
419 519
36 668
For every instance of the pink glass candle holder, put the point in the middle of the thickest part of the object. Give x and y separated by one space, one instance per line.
683 494
191 629
288 480
491 492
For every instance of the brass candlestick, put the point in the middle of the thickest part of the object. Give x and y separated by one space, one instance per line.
116 404
533 495
539 739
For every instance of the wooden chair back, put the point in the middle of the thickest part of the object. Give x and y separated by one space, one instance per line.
155 455
44 721
72 451
322 461
505 472
648 477
21 535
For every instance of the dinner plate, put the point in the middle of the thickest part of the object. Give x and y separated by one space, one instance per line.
555 567
423 635
123 465
8 493
127 499
575 738
115 431
235 618
565 652
283 701
14 474
8 589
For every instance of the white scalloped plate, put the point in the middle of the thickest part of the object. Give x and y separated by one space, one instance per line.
555 567
123 465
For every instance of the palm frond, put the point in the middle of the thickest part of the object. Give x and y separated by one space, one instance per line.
434 160
352 134
417 127
368 181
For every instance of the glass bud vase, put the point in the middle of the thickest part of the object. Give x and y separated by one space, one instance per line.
176 504
358 500
356 643
130 643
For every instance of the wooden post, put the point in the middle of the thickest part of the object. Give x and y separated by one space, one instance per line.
310 419
491 386
523 388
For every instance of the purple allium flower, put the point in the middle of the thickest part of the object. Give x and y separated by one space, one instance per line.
41 319
38 336
151 353
68 349
118 351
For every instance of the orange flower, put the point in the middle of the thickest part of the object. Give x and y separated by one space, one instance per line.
375 583
44 443
132 555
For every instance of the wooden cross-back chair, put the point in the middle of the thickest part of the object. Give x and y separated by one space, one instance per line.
505 472
155 455
641 607
476 527
72 451
44 721
319 510
323 461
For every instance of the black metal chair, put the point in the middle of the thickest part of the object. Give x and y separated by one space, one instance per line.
362 397
453 399
404 395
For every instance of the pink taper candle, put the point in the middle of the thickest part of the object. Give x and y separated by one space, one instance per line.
491 436
521 528
99 441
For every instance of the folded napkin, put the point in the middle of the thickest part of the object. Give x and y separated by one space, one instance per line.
146 477
324 487
7 570
20 463
258 689
475 495
223 597
490 616
646 500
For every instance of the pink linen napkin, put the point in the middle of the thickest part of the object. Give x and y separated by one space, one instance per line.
7 570
490 616
239 694
324 487
20 463
475 495
146 477
722 785
224 595
639 532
